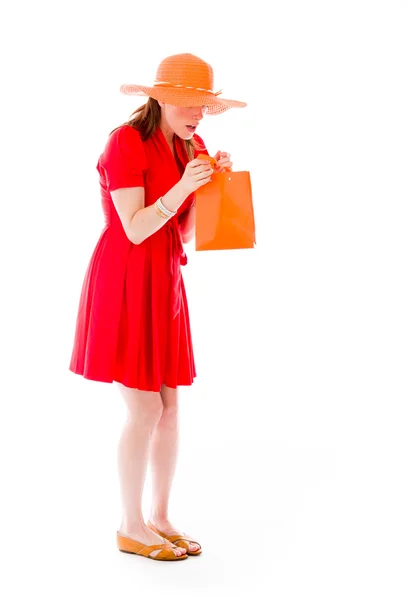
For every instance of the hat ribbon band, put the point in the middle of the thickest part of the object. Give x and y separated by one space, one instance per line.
186 87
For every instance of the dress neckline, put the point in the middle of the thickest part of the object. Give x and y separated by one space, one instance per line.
179 157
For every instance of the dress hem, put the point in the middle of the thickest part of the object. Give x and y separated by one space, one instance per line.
105 380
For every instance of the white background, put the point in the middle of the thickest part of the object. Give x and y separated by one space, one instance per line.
292 465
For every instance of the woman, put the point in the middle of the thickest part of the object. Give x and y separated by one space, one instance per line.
133 324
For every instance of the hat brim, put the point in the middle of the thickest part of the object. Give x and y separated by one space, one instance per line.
183 97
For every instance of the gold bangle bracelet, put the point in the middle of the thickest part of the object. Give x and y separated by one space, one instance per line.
159 212
164 209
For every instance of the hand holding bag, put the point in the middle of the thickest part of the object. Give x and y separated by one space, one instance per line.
224 212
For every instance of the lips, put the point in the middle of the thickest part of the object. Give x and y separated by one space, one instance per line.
192 127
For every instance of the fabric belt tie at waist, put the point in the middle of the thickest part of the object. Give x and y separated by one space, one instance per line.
177 258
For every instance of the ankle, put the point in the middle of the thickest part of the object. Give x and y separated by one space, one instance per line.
132 525
159 517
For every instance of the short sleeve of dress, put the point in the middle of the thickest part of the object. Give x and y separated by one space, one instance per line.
123 161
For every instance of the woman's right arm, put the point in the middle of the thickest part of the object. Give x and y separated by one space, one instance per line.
140 221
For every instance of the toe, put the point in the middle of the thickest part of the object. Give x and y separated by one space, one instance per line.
178 551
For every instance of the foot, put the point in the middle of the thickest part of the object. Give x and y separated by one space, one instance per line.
149 538
167 527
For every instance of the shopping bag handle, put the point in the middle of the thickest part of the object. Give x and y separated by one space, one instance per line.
213 161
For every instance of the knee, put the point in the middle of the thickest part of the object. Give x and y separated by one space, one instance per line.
170 402
147 411
169 417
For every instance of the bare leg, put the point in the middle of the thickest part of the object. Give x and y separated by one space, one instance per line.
163 460
144 410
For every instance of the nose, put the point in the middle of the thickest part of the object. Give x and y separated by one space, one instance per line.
199 112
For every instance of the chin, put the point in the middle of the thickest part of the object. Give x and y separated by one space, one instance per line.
186 136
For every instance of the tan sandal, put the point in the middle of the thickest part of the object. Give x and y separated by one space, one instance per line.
126 544
177 539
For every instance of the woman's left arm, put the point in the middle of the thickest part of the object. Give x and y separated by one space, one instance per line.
187 224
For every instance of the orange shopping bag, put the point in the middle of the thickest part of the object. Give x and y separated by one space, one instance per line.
224 212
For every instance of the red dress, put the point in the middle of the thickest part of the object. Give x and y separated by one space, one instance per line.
133 322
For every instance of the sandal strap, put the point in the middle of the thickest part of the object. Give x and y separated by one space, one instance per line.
185 542
178 538
175 537
169 553
147 550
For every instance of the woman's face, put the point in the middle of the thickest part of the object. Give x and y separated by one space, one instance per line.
181 120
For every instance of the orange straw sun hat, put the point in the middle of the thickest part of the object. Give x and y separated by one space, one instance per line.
184 80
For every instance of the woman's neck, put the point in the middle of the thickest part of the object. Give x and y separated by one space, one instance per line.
168 134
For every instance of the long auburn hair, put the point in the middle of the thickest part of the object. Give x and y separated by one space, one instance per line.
147 118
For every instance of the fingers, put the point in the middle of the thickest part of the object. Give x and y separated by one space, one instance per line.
223 161
226 164
202 182
204 174
204 177
196 162
221 154
200 169
197 173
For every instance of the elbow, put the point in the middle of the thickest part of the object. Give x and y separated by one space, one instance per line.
132 230
134 238
187 237
133 234
136 241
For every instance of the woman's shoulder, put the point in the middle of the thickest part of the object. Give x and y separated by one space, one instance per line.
124 145
125 132
124 138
